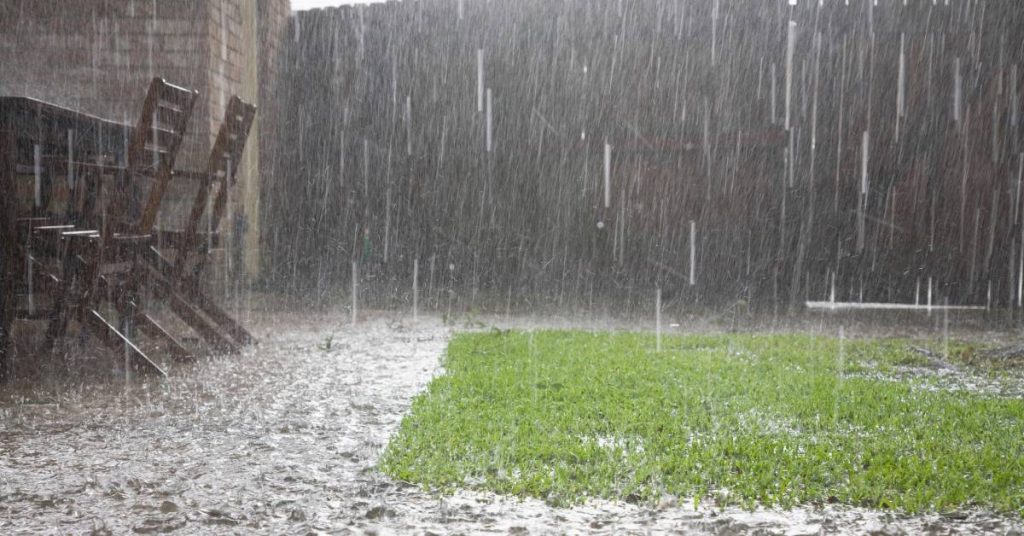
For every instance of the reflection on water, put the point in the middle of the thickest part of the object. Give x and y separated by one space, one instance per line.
285 440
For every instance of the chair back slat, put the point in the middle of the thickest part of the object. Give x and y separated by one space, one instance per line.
161 127
231 138
156 142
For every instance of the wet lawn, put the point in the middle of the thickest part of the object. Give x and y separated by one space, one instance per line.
736 419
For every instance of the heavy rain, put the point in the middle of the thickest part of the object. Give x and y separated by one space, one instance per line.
511 266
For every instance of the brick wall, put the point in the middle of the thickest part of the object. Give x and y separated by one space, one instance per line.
273 24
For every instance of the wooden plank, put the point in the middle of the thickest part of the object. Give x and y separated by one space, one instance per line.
188 314
150 327
219 316
189 242
164 269
116 341
195 321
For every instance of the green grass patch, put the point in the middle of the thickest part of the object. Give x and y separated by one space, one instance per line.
743 419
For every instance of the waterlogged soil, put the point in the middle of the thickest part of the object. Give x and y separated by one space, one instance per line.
285 440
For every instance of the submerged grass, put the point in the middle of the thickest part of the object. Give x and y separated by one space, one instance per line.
741 419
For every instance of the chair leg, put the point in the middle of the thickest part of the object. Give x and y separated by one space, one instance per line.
150 327
219 204
57 324
188 243
219 316
185 310
116 341
195 321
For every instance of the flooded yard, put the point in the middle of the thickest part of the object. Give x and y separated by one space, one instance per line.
285 440
844 170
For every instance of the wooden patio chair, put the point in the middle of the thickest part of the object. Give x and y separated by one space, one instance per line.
178 280
109 261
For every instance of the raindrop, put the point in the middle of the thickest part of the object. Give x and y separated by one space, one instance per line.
693 253
489 121
957 82
480 80
71 159
901 81
790 45
657 318
864 163
37 169
355 291
607 175
408 125
929 305
415 289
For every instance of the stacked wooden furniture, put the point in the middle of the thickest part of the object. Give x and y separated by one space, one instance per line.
99 253
178 281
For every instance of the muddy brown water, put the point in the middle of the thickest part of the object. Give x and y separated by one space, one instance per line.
285 440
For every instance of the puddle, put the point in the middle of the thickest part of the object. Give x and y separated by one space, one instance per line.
1003 384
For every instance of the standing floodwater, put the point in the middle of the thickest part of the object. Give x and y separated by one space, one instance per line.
283 436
